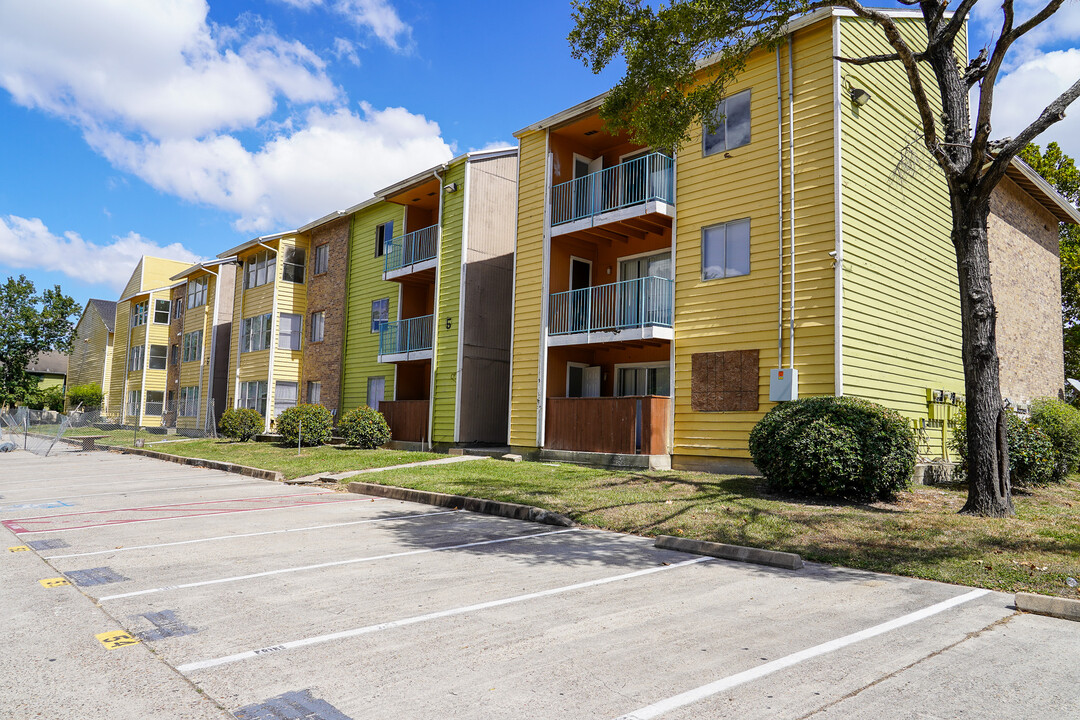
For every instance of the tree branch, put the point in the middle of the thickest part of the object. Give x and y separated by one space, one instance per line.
956 22
869 59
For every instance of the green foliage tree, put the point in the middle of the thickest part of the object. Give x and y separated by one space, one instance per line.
30 324
681 55
89 396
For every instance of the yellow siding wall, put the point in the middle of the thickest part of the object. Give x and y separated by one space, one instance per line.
741 313
365 284
292 298
118 369
90 353
528 291
198 373
157 271
447 305
900 282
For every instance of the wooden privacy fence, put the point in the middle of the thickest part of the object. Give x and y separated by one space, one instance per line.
624 425
408 419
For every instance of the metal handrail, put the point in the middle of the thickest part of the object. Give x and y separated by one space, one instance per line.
406 336
627 304
414 247
644 179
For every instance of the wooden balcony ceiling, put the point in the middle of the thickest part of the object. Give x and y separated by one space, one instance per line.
422 195
422 278
624 230
639 344
589 132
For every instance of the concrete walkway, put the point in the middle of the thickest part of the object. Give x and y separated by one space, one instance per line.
338 477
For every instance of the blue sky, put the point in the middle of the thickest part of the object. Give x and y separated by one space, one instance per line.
180 128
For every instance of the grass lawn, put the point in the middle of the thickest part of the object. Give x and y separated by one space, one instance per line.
920 535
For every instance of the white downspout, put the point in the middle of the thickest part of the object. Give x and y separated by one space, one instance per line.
791 200
780 210
435 305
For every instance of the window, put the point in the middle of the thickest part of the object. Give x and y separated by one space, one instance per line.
292 267
654 380
314 393
133 402
193 345
725 250
161 312
255 333
174 355
376 387
155 402
322 258
138 313
318 320
380 313
733 125
159 357
284 396
253 397
383 235
196 292
136 358
178 308
189 401
289 331
259 269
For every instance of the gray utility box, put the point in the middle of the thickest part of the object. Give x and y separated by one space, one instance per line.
783 384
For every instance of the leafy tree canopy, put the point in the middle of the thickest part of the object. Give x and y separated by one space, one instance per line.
30 324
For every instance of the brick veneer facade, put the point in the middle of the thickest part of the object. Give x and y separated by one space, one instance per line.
326 294
1025 269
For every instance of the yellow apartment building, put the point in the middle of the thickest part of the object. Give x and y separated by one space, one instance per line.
90 361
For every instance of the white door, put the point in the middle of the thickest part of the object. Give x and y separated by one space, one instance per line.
375 388
590 382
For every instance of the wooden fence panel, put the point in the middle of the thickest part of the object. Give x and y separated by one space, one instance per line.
408 419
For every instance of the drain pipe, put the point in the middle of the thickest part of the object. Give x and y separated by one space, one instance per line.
791 196
435 305
780 210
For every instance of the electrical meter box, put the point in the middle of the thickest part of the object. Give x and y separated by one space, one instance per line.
784 385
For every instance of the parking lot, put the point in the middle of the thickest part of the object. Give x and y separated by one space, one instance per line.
134 588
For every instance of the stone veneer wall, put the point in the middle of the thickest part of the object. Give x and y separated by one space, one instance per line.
326 293
1025 268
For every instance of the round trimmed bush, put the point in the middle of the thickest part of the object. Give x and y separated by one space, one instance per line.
834 447
313 422
240 424
1060 421
365 428
1032 460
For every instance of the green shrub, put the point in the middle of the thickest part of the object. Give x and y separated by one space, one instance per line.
240 424
89 396
1060 421
365 428
51 398
1031 454
313 422
836 447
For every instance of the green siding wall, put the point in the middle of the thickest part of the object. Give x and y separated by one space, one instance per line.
901 307
447 305
365 284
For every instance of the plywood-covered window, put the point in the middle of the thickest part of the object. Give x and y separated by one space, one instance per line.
724 381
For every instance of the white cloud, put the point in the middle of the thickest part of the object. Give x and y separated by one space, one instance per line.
1020 97
345 50
335 160
28 244
379 17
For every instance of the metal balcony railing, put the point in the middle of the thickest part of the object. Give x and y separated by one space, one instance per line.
412 248
406 336
619 306
635 182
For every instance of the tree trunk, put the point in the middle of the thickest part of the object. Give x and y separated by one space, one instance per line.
989 491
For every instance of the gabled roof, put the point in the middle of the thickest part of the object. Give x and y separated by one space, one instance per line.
107 310
49 363
1044 193
202 266
228 254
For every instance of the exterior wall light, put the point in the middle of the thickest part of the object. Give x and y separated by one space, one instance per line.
859 96
452 187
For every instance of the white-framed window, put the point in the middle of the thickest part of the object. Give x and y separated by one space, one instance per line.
376 388
259 269
314 393
733 125
292 265
159 357
725 250
193 346
136 358
139 312
155 402
318 326
384 233
645 379
161 312
196 292
380 313
322 258
134 397
289 329
285 396
253 396
255 333
178 308
189 401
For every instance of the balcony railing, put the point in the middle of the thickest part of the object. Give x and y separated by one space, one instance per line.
634 182
406 336
412 248
611 308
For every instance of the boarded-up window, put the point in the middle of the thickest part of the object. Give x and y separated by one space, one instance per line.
724 381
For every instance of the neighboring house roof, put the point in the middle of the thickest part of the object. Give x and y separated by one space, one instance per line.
49 363
107 310
1044 193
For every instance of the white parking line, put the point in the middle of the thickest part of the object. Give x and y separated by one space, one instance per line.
135 492
692 696
350 561
203 664
254 534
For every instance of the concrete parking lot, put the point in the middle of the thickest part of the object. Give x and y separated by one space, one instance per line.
134 588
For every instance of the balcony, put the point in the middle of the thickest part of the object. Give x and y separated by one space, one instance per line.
613 425
639 309
631 189
411 253
406 340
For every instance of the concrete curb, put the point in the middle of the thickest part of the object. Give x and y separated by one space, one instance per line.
259 473
488 507
789 561
1058 607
